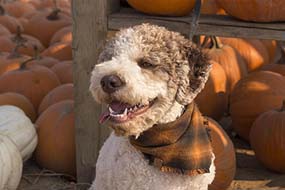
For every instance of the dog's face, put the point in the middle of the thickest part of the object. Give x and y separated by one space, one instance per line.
142 73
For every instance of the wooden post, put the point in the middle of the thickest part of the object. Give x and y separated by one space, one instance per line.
89 33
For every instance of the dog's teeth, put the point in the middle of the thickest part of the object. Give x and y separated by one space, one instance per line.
111 111
125 112
135 108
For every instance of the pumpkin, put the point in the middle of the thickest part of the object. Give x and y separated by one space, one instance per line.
19 128
253 51
25 42
11 23
44 61
63 35
65 4
230 60
11 164
56 133
63 70
15 99
60 93
34 3
159 7
18 8
211 7
61 51
4 31
11 61
213 99
34 82
255 10
267 139
225 159
272 49
43 25
257 93
277 68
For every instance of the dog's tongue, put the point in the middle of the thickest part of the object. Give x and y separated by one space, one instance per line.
104 116
116 106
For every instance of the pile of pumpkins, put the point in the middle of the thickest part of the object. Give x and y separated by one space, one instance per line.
248 10
36 88
247 82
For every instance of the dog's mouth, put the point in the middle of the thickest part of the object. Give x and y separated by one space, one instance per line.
119 112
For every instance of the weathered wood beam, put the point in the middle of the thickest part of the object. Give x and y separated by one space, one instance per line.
218 25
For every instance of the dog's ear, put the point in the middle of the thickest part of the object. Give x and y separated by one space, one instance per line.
192 74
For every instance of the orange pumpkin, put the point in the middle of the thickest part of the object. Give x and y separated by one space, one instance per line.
63 35
160 7
34 82
20 101
4 31
211 7
253 51
44 61
18 8
43 25
64 72
255 10
62 4
60 93
213 99
56 138
26 43
34 3
225 158
267 139
61 51
257 93
11 61
277 68
271 46
230 60
11 23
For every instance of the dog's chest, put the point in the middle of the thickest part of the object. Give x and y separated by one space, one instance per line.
120 166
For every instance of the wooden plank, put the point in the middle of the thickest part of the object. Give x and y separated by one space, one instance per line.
208 25
89 33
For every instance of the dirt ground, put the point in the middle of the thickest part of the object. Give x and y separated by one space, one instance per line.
250 174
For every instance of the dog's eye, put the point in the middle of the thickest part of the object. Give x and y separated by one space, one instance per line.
145 64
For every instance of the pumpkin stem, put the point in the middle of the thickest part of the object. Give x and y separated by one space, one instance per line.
18 38
15 53
37 55
2 10
204 43
283 106
24 64
54 14
215 42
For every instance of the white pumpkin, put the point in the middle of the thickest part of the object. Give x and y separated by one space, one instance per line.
11 164
19 128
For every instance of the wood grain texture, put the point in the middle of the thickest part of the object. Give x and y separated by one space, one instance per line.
219 25
89 33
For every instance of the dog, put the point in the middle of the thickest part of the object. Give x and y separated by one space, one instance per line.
148 77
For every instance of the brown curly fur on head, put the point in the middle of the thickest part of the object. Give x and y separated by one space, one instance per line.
177 71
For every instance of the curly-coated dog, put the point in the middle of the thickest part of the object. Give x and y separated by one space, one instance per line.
148 77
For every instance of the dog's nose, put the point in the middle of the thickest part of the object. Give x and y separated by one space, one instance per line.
111 83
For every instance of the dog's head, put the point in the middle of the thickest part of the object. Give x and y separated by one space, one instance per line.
142 72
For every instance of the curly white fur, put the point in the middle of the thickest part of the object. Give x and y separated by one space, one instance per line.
121 167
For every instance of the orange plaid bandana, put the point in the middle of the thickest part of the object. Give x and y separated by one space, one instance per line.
182 146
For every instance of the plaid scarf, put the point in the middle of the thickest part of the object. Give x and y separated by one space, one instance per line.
182 146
